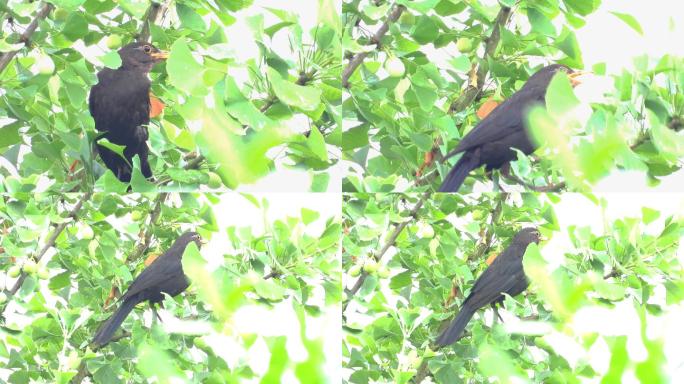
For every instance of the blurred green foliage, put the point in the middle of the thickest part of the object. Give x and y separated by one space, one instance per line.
591 291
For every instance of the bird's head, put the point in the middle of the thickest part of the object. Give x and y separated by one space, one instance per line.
543 76
188 237
141 56
527 236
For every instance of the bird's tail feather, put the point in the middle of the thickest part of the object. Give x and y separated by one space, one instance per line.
458 173
456 327
106 331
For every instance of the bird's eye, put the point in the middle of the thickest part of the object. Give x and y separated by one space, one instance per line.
147 48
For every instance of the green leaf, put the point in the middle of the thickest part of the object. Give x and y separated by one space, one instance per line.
111 60
567 43
540 23
422 6
190 19
306 98
184 71
425 31
316 144
649 215
560 97
629 20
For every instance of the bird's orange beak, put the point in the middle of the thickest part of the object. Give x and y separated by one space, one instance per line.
575 77
161 55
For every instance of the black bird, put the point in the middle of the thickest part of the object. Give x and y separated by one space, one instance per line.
504 275
490 142
164 275
120 106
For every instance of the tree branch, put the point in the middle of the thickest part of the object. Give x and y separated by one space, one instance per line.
473 91
360 56
152 17
390 242
25 37
50 242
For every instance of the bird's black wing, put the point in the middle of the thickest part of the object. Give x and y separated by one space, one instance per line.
505 119
162 269
502 275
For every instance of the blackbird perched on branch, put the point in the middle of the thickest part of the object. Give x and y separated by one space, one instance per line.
504 275
164 275
490 142
120 106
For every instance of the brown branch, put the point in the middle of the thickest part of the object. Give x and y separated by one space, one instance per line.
25 37
153 13
359 57
50 242
389 243
473 91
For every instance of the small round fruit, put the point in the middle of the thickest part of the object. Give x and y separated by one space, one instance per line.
44 65
355 271
14 271
60 14
383 272
73 360
214 181
136 215
407 18
43 273
464 45
30 266
370 266
113 41
395 67
3 297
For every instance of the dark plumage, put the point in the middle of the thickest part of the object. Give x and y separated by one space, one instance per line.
120 106
164 275
504 275
490 142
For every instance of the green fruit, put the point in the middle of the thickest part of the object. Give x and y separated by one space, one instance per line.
14 271
30 266
113 41
3 297
60 14
214 181
355 271
136 215
395 67
464 45
73 361
43 273
44 65
383 272
407 18
370 266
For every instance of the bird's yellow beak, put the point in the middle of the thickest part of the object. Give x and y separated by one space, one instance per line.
575 77
161 55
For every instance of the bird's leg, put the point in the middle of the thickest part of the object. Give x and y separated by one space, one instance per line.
496 310
154 310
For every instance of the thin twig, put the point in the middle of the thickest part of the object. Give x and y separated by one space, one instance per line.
472 92
25 37
359 57
50 242
389 243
